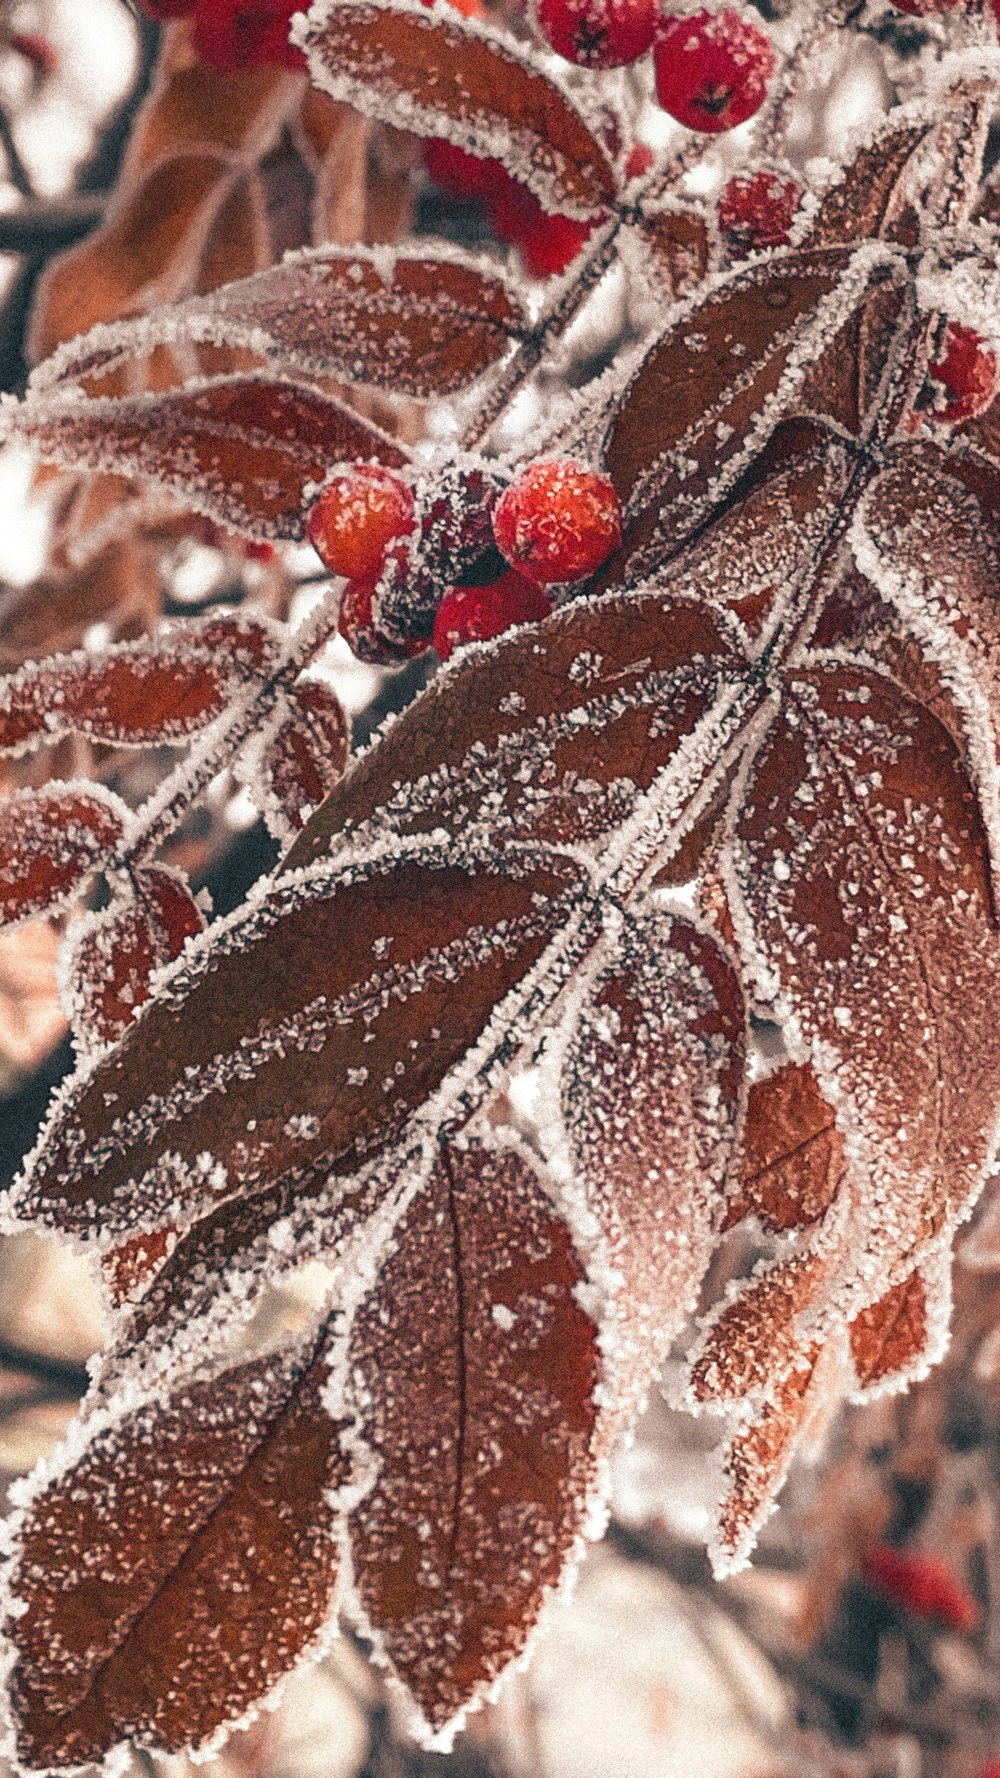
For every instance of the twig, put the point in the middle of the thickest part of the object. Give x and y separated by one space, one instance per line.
40 227
19 175
62 1374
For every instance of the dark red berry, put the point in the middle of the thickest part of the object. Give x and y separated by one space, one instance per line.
357 624
757 211
356 517
712 68
558 521
964 379
478 613
233 35
598 33
923 1585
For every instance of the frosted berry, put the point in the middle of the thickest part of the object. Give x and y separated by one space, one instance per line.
964 379
598 33
757 211
712 68
558 521
357 624
478 613
356 518
922 1585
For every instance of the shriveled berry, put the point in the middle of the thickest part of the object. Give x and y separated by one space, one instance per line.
923 1585
356 517
964 379
757 211
357 624
478 613
233 35
598 33
712 68
558 521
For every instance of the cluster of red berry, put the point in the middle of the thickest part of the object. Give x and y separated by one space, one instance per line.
231 35
467 563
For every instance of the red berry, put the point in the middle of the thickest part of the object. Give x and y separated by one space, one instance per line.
757 212
598 33
232 35
966 375
558 521
638 161
357 624
477 613
712 68
923 1585
168 9
923 9
356 517
460 174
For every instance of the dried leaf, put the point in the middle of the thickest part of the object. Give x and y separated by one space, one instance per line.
113 954
308 752
792 1154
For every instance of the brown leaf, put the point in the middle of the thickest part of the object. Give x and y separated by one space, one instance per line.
652 1094
137 694
160 1626
308 1031
448 77
474 1368
414 324
701 387
547 736
113 954
50 842
241 449
890 1340
308 752
792 1154
755 1465
863 862
755 1339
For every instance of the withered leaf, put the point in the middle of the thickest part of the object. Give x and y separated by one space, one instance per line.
50 842
792 1154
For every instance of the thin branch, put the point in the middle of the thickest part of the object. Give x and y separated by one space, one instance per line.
40 227
64 1375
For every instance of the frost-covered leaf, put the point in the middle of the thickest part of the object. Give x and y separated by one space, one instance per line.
305 1031
701 388
179 1565
241 449
113 954
756 1339
308 752
549 735
474 1366
50 842
755 1465
862 862
136 693
792 1154
652 1093
439 75
900 1335
414 323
